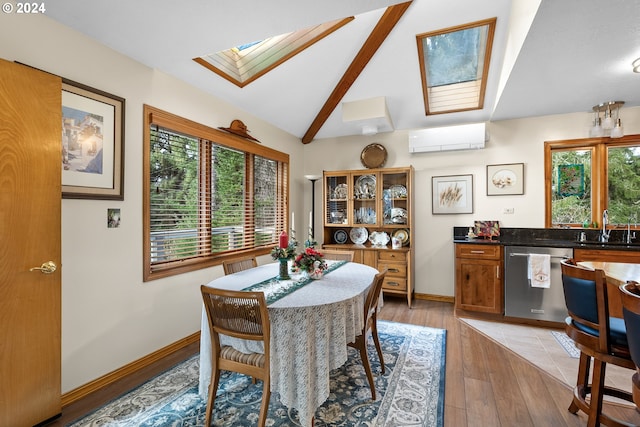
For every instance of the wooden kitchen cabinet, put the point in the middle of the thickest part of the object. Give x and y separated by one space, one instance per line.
479 284
359 203
606 255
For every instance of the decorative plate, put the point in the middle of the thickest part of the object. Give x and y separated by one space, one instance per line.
358 235
340 236
379 238
373 156
398 191
403 235
395 216
365 187
340 192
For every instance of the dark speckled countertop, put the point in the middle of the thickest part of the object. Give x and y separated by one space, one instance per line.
551 237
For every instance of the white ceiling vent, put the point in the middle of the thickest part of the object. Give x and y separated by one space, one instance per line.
462 137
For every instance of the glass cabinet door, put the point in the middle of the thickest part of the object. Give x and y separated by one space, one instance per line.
395 200
365 197
337 193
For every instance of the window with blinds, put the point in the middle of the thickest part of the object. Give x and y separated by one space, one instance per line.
208 195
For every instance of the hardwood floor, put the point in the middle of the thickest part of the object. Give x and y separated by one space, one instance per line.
486 384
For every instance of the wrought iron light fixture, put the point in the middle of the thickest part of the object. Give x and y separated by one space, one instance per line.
609 126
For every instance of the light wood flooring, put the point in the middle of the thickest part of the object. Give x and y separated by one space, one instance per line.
487 384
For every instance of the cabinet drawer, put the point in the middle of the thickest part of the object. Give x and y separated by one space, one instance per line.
394 283
478 251
393 269
392 256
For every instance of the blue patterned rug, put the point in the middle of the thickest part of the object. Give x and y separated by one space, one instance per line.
411 392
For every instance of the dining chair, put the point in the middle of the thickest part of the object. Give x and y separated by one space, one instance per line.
238 264
599 337
243 315
339 255
371 324
631 312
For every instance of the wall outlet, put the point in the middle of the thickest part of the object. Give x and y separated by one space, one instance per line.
507 211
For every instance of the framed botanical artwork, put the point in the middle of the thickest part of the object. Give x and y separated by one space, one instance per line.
503 180
92 143
452 194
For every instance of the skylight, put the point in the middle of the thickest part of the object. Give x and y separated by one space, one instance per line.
245 63
454 64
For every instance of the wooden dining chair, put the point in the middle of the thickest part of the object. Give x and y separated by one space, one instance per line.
338 255
242 315
631 312
598 336
238 264
371 324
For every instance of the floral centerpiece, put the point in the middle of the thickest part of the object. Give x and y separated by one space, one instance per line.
311 261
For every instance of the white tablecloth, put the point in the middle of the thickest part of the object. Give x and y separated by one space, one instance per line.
309 332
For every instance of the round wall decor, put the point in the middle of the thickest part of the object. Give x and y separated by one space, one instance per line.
373 156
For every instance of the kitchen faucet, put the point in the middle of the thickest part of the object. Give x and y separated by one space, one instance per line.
604 236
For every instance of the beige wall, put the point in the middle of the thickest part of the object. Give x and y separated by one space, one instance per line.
110 317
511 141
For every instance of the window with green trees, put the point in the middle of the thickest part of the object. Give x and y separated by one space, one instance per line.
208 195
584 177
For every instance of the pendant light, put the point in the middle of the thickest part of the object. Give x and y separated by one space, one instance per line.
609 126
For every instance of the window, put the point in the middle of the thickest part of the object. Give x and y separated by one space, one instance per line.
208 195
243 64
586 176
454 64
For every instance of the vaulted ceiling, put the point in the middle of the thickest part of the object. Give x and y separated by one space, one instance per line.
549 56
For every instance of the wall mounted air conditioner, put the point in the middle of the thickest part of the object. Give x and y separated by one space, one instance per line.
461 137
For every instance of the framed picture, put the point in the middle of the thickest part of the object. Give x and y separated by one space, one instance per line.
92 143
505 180
452 194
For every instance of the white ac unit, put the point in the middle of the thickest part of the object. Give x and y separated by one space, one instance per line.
461 137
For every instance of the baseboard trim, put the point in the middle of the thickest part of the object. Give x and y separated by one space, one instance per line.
431 297
120 373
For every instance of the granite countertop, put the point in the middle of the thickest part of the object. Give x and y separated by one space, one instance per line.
551 237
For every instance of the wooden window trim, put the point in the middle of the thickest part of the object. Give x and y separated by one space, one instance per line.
176 123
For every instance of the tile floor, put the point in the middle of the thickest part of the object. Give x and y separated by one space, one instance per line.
541 348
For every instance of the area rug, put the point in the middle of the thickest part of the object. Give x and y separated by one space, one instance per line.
567 344
411 390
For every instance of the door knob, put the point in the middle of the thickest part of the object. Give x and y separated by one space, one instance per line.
46 268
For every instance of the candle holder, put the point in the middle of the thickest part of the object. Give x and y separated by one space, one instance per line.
283 270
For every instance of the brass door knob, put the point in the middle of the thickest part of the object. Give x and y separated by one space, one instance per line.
46 268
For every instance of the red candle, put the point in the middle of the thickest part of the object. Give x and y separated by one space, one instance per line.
284 240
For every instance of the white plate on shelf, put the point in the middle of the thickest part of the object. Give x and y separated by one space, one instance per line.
365 187
358 235
379 238
340 236
340 192
398 191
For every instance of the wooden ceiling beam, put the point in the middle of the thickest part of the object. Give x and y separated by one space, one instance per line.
378 35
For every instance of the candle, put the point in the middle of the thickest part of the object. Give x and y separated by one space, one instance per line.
293 223
284 240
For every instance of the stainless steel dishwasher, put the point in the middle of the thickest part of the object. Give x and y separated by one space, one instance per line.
522 300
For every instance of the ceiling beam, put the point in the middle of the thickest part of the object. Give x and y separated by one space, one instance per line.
378 35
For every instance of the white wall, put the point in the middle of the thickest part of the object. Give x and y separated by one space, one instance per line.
511 141
110 317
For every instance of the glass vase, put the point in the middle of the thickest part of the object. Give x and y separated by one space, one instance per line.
283 271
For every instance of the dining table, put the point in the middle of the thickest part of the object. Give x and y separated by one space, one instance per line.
312 321
617 274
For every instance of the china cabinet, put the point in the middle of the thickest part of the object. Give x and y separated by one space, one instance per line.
370 212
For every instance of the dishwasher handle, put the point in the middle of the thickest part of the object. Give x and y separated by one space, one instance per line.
552 256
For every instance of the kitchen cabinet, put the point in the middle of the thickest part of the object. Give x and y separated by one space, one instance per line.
362 211
606 255
479 284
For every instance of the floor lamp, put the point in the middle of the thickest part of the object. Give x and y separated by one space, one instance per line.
311 241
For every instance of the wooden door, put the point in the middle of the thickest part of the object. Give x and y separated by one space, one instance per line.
30 191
